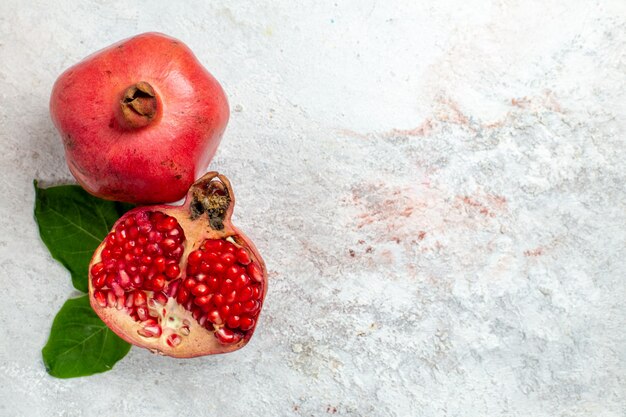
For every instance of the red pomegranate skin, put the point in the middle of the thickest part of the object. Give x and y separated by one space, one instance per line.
151 155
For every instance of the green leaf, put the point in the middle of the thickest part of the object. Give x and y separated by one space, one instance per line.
80 344
72 223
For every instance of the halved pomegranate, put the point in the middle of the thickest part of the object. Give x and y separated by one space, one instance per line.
181 281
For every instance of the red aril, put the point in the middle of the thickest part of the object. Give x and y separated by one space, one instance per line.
140 120
180 280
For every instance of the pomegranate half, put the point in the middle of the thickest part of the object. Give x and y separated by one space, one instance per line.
140 120
182 280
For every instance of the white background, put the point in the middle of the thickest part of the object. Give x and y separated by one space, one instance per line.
437 189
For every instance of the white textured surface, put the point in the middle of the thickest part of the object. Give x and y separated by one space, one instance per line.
437 188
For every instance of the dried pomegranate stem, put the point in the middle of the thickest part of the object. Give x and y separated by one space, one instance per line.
139 105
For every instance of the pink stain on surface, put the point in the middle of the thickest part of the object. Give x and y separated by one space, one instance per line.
420 214
447 111
485 204
534 252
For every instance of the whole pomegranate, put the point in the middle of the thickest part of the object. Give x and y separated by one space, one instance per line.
181 281
140 120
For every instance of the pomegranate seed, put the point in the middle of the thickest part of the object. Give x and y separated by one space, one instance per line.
100 298
200 289
205 267
110 279
142 313
245 294
172 289
160 298
196 313
214 245
105 254
129 245
166 224
183 296
155 237
227 286
137 281
230 297
185 329
219 268
169 244
150 329
99 281
145 228
111 299
241 281
256 292
178 252
224 312
117 289
242 256
124 279
133 232
203 300
97 269
145 259
140 298
213 283
120 302
227 336
153 249
228 259
233 322
195 257
158 283
218 299
173 340
246 323
249 306
202 320
172 271
120 236
254 272
214 317
159 263
210 257
229 247
233 272
189 283
235 308
130 299
201 277
129 221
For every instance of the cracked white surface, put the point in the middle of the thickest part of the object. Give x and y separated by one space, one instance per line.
437 189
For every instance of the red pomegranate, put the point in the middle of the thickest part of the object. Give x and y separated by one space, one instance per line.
140 120
180 280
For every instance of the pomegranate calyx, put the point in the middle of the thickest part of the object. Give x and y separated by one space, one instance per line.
211 194
139 105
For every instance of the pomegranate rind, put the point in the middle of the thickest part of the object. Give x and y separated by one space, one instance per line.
199 341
